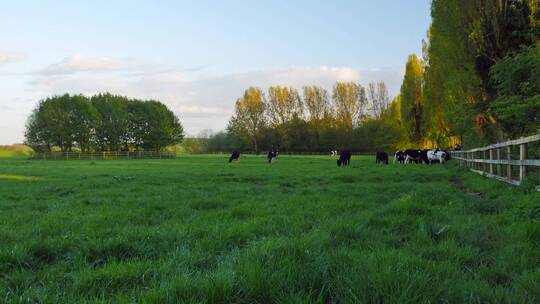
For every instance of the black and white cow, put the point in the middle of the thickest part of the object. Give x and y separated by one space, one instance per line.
344 158
234 156
416 156
436 155
276 151
271 155
381 157
399 156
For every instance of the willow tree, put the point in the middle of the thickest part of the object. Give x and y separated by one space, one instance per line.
378 98
349 103
283 106
63 121
112 129
318 109
248 120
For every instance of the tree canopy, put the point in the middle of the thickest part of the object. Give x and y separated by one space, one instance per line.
103 122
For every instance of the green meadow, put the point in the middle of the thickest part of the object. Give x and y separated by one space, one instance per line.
197 229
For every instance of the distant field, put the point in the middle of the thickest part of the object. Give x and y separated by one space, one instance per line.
15 151
200 230
14 154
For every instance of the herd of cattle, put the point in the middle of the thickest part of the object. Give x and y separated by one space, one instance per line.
403 156
421 156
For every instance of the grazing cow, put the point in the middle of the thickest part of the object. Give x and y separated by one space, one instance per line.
447 157
344 158
381 157
234 156
276 152
437 155
271 155
399 156
333 153
416 156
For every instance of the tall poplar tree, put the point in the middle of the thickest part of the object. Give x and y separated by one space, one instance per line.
412 98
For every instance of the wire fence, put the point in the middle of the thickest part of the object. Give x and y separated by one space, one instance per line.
106 155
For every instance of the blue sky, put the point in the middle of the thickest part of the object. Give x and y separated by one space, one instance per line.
197 56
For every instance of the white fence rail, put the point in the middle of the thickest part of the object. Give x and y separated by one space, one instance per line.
511 161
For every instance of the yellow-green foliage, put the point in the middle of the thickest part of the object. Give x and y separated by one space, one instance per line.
16 150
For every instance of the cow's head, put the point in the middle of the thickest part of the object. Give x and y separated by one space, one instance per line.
339 162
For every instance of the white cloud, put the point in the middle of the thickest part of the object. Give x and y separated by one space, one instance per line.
10 57
201 110
80 63
202 102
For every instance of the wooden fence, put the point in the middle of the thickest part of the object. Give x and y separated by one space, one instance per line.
509 161
283 153
103 155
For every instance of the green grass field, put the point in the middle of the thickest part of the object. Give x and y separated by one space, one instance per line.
200 230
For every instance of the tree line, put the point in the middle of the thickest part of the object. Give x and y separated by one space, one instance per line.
312 120
103 122
476 82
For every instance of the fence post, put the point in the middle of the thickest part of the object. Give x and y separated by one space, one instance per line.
522 157
499 169
509 167
487 154
491 165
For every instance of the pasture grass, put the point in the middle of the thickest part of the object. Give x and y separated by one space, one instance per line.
200 230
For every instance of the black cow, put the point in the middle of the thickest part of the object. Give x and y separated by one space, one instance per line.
344 158
381 157
234 156
447 156
271 155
